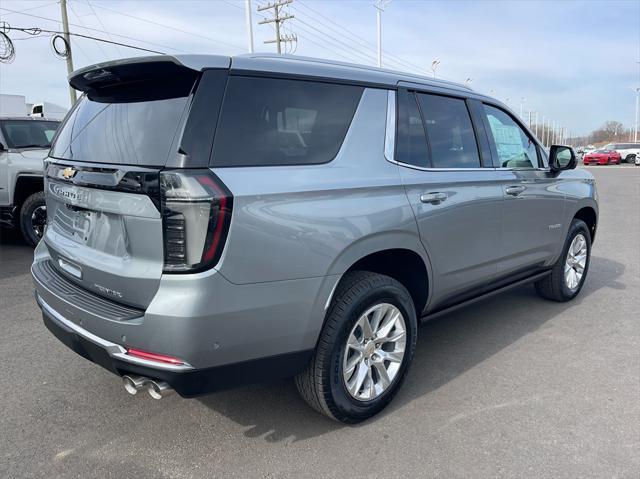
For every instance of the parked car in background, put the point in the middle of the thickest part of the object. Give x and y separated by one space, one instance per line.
628 151
602 157
24 143
261 216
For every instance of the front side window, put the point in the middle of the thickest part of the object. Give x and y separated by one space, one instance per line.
29 133
514 147
411 147
270 122
449 132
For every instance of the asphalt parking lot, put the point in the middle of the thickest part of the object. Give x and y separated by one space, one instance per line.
512 387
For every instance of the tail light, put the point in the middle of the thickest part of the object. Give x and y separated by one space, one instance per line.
196 212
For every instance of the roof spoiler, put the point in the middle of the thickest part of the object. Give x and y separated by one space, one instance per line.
139 69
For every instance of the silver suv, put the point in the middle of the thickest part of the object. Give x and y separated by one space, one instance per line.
214 221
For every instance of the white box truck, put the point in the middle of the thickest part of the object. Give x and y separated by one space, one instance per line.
13 105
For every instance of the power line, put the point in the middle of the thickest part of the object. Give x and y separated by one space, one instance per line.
56 32
82 23
97 30
102 24
187 32
354 56
32 8
362 41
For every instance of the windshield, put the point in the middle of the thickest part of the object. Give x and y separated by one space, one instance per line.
601 151
28 133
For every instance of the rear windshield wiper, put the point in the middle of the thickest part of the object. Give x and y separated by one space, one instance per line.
32 146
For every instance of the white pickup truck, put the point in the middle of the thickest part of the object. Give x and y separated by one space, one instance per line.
629 152
24 143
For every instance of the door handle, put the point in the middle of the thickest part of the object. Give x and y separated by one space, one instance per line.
514 190
433 198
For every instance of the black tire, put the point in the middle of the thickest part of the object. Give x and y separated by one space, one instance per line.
631 159
30 207
321 384
553 286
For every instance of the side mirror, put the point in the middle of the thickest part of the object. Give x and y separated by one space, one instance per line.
562 158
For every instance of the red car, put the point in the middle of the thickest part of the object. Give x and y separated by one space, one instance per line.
602 157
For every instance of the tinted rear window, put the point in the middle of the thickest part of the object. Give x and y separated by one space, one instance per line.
131 133
267 122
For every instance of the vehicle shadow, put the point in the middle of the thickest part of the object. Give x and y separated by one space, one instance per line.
15 253
447 347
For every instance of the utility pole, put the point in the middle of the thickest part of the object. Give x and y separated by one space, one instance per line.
248 23
67 38
278 20
536 124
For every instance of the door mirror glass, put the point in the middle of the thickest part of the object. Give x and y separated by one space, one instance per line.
562 158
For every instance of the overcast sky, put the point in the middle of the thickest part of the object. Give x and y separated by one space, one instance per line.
574 61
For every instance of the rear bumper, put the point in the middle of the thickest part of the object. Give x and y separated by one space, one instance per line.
227 334
187 381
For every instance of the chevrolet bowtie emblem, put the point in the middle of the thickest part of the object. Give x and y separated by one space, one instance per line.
69 172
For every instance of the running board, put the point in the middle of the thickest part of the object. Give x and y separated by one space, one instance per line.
484 296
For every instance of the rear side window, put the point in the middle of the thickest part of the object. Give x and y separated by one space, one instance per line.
411 147
269 122
449 132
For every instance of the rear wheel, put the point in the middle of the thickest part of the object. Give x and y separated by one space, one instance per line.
570 271
630 159
364 351
33 218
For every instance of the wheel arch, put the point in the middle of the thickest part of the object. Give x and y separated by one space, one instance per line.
399 255
590 217
25 186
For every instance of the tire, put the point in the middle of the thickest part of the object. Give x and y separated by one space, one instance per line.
555 286
631 159
323 384
32 209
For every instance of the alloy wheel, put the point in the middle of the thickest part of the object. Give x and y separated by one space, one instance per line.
575 262
374 352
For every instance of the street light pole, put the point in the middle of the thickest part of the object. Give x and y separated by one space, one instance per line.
635 132
379 6
522 100
434 66
248 23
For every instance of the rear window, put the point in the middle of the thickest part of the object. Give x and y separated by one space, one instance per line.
120 132
28 133
268 122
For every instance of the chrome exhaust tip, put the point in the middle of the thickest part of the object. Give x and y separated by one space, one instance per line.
158 389
133 384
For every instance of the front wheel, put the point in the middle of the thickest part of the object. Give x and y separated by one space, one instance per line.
33 218
364 351
570 271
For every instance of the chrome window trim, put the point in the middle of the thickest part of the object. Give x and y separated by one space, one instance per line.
390 128
114 350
